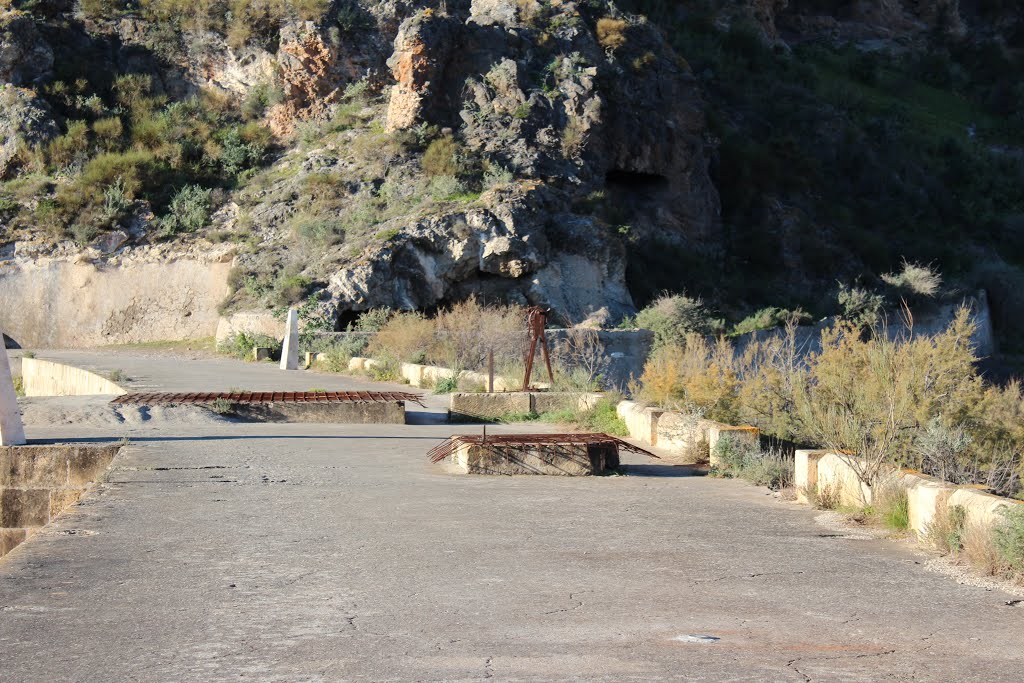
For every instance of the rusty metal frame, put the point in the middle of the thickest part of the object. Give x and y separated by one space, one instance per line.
536 321
525 442
167 398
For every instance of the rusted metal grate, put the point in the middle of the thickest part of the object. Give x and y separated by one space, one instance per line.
164 398
526 441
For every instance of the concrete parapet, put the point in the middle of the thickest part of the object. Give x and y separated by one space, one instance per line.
47 378
356 364
686 436
481 406
572 460
342 412
38 482
836 473
805 475
983 509
925 495
641 420
413 373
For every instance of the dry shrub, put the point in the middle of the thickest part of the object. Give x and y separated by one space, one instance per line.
580 356
771 370
946 532
870 396
824 496
697 373
611 33
980 550
467 331
405 337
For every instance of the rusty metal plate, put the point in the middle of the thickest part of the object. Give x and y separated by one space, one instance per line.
167 398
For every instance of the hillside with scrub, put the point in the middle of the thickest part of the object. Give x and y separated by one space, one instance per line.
585 156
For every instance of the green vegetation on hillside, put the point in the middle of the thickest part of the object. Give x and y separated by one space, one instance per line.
836 162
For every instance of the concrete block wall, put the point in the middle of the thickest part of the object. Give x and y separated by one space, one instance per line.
926 495
486 406
48 378
38 482
690 439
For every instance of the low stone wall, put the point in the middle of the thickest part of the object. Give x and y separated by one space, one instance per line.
345 412
690 440
573 460
429 375
490 406
47 378
926 495
38 482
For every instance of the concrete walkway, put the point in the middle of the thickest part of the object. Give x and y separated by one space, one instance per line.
264 552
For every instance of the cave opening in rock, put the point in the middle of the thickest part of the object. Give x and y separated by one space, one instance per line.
633 182
346 318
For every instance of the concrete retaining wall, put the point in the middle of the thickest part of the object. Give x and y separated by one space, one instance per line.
690 439
38 482
347 412
69 304
490 406
47 378
926 495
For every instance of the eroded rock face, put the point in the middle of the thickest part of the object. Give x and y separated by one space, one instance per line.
25 57
25 120
422 49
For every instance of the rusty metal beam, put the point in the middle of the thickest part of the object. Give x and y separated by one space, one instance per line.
168 398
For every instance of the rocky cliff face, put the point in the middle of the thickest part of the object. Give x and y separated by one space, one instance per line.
561 118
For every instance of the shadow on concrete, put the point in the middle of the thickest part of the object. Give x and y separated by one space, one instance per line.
662 471
421 417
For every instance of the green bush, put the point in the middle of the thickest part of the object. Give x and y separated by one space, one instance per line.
768 318
1009 538
241 344
443 157
189 211
447 385
672 316
322 232
744 459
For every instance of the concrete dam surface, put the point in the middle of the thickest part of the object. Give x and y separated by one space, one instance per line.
216 550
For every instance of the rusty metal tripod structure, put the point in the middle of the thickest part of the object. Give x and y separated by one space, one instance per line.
536 320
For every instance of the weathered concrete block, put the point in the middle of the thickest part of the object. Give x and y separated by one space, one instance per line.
12 431
837 472
47 378
561 460
641 420
685 436
925 495
87 464
356 364
348 412
10 538
61 499
34 466
24 507
805 477
413 373
489 406
982 508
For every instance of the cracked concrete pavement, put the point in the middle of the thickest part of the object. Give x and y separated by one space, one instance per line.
222 551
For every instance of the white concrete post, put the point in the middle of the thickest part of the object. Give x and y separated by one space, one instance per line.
12 431
290 349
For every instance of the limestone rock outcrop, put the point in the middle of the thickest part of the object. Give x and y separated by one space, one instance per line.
25 121
25 56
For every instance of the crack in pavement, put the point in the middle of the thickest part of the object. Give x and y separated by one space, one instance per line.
488 668
791 664
745 576
572 598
